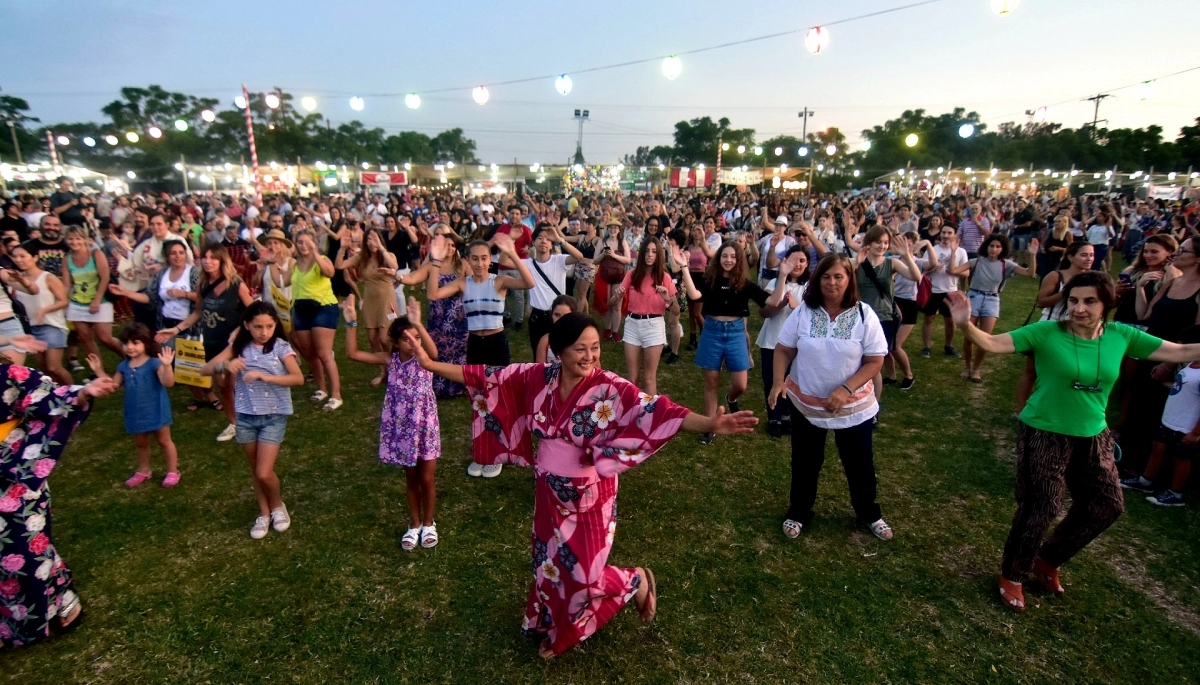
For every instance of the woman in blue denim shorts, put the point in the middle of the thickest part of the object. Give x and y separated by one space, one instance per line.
725 291
988 272
263 365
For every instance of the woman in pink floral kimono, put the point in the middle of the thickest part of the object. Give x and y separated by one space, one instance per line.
37 417
592 425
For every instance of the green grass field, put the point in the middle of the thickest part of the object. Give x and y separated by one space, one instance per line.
175 591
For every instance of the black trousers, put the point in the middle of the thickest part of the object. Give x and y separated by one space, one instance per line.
783 408
489 350
539 325
858 461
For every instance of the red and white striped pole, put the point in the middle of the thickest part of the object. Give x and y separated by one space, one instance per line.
53 150
250 133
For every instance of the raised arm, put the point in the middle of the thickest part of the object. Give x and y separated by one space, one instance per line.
451 372
525 282
573 253
685 277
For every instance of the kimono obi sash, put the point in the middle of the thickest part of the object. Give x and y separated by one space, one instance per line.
7 427
562 458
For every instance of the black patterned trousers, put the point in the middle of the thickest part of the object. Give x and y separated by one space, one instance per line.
1047 464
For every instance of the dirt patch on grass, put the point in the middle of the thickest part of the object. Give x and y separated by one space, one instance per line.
1125 563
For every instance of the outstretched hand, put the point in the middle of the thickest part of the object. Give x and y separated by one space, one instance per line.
732 424
960 308
99 387
28 343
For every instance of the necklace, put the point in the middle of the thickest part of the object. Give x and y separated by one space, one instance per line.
1077 385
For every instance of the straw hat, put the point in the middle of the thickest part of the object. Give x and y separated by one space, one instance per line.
273 234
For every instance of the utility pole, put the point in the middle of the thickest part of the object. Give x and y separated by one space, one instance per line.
12 129
581 116
1097 99
805 114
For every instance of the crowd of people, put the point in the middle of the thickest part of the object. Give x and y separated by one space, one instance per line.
262 284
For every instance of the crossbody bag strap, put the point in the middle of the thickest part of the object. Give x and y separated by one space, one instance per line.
544 278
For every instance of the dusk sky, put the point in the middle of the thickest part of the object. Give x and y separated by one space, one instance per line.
69 57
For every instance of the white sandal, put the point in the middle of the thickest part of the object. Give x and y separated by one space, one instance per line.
332 405
882 530
319 396
429 536
792 528
409 542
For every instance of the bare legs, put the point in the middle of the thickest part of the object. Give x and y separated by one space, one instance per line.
973 355
323 349
422 493
376 336
262 469
51 362
583 291
674 332
165 443
90 332
633 358
712 383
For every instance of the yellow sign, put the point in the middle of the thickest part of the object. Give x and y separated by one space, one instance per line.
283 307
189 359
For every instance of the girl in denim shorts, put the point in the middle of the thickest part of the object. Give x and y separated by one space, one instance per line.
264 366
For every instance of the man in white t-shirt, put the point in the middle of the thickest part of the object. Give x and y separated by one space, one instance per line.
549 278
377 210
770 257
949 255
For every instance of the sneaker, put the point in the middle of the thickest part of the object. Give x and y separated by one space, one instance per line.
925 352
691 345
227 434
732 404
259 530
707 438
889 381
951 351
1138 483
518 325
75 366
785 427
475 469
280 520
672 358
908 383
491 471
1166 498
773 428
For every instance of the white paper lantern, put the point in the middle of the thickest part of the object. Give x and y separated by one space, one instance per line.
111 139
480 95
208 115
155 132
272 100
865 145
357 103
831 149
240 102
803 151
966 130
181 125
817 39
308 102
412 101
1003 8
911 140
563 84
672 67
89 141
63 140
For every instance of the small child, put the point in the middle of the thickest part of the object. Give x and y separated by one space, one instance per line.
409 430
264 366
1178 435
560 307
146 373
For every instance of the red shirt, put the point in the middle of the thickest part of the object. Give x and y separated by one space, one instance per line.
521 240
645 299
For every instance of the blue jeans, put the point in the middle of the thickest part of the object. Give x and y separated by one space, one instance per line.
268 429
723 341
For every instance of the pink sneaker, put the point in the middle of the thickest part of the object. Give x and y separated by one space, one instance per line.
137 479
171 480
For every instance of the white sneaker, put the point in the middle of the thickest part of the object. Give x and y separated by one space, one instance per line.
492 471
280 520
259 530
474 469
227 434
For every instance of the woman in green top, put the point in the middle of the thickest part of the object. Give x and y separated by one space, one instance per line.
1062 437
315 316
876 289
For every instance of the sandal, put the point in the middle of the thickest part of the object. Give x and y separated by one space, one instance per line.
409 542
545 651
975 379
377 381
319 396
332 405
1047 576
1012 595
649 606
72 606
792 528
882 530
429 536
197 405
216 404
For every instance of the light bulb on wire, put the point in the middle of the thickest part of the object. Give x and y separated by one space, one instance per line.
63 140
480 95
803 151
563 84
966 130
672 67
357 103
911 140
412 101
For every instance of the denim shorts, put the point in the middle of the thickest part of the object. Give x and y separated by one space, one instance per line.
723 341
1173 439
307 315
10 328
268 429
54 337
984 304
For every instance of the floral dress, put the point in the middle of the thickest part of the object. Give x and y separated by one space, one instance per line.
605 426
409 430
34 581
448 328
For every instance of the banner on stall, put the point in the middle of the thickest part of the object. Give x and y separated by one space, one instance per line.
374 178
737 177
691 178
1164 192
189 359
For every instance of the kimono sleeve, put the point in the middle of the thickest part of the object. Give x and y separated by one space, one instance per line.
48 413
502 402
632 425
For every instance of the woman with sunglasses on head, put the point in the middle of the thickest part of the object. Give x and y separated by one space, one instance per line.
1063 440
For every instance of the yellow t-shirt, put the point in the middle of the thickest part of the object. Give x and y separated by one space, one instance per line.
312 285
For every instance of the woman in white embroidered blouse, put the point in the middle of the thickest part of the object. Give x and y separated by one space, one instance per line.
838 346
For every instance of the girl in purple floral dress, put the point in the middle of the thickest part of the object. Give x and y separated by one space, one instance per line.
409 432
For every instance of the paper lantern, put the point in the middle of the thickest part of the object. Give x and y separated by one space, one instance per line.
831 149
308 102
412 101
911 140
966 130
110 139
155 132
480 95
1003 8
89 141
272 100
240 102
741 149
865 145
181 125
563 84
63 140
803 151
671 67
817 39
132 137
208 115
357 103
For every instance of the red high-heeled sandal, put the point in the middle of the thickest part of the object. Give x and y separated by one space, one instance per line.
1012 595
1047 576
